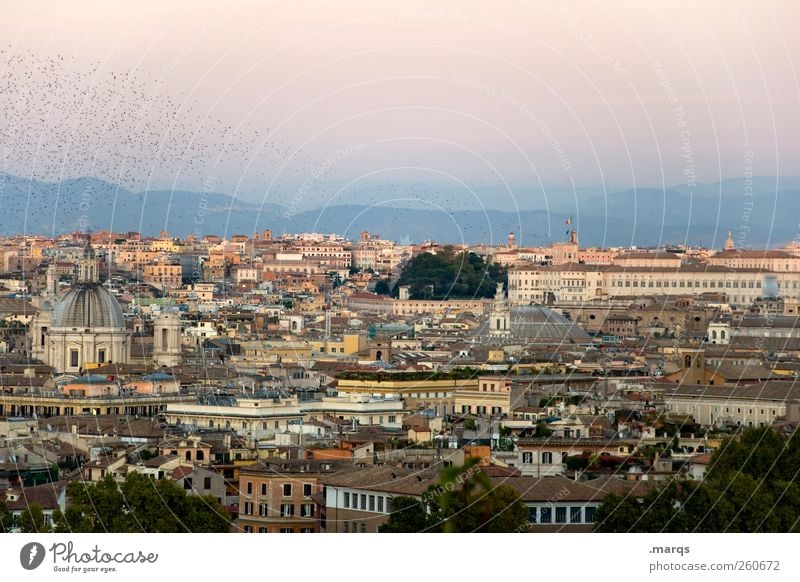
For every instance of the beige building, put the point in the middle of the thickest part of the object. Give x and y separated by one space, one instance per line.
162 276
417 392
768 260
491 397
570 283
555 283
746 405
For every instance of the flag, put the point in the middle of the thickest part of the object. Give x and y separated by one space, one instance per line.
569 220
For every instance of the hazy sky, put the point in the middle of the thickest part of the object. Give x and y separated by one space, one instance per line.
330 95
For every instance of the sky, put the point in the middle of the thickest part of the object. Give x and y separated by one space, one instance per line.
463 102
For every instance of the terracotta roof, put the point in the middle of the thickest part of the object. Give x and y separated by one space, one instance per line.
753 254
181 472
608 485
156 462
46 496
773 390
550 488
386 478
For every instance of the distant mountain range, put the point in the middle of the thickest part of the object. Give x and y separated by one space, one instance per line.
642 216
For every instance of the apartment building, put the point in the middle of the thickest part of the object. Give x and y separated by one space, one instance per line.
282 496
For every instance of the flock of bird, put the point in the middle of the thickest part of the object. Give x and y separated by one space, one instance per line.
61 120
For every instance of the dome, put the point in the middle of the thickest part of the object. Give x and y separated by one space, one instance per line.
88 305
538 322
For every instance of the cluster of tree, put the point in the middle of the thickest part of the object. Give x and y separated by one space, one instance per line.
751 485
450 274
464 500
137 505
30 521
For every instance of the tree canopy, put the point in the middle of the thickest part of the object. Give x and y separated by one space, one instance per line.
382 287
450 275
751 485
464 500
31 520
139 504
6 518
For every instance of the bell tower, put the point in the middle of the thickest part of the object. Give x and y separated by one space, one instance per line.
693 365
167 339
500 315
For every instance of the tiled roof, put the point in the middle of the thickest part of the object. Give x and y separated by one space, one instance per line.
46 496
386 478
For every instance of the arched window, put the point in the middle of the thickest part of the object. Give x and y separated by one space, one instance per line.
714 334
188 455
687 362
722 334
200 456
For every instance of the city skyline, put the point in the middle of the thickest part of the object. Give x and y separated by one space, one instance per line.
353 267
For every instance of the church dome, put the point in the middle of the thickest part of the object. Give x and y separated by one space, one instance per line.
88 305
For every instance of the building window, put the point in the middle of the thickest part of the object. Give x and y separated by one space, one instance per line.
346 502
380 504
527 457
547 458
306 489
101 356
287 489
262 530
207 483
263 509
287 510
248 508
287 530
590 511
532 511
574 514
363 527
346 527
307 510
263 489
248 529
372 503
249 487
546 514
306 530
561 515
73 358
364 501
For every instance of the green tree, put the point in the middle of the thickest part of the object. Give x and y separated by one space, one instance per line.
449 274
6 518
471 502
406 515
139 504
31 520
750 486
382 287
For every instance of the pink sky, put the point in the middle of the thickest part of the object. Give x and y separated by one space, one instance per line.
480 92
